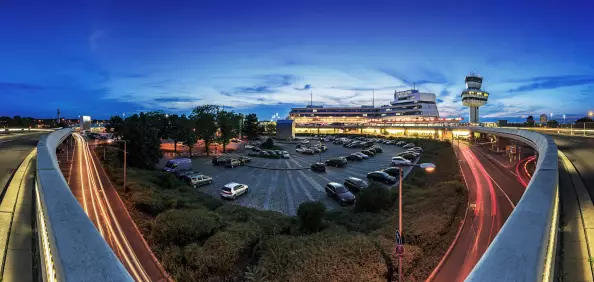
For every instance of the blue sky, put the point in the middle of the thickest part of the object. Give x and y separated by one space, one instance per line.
112 57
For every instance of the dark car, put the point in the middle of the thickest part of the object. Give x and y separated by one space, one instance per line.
381 176
184 173
354 184
256 149
243 160
336 162
340 193
219 160
319 167
392 171
378 149
368 152
263 153
407 156
354 157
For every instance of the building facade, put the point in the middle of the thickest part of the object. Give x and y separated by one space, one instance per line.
543 119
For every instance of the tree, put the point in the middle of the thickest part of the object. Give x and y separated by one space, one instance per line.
144 145
160 121
268 144
584 119
270 128
177 129
530 120
227 122
310 215
190 140
204 119
250 126
115 124
372 199
552 123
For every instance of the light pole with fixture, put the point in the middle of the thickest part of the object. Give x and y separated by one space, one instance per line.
428 167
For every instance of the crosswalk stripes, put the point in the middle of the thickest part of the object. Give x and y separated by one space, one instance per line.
313 183
272 185
289 190
305 190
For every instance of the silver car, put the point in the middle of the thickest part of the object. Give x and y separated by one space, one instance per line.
199 180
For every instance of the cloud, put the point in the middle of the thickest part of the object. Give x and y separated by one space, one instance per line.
95 37
276 116
551 82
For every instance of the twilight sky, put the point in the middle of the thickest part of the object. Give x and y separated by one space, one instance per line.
104 58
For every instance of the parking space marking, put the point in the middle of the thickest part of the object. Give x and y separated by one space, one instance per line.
313 183
303 188
271 187
289 189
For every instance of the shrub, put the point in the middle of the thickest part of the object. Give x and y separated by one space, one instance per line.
372 199
363 222
147 203
167 181
181 227
310 215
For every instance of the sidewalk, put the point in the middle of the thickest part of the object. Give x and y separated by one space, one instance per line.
16 228
577 226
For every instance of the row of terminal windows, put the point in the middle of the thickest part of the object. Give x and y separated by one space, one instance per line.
410 113
364 110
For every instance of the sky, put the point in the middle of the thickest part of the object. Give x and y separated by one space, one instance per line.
104 58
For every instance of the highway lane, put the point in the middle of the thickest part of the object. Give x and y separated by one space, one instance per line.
99 199
488 210
580 151
14 148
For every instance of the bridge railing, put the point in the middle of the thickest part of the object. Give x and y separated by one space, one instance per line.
525 247
71 248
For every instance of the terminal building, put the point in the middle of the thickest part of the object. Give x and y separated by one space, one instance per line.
410 108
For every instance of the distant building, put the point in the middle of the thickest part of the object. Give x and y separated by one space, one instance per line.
543 119
85 123
285 129
473 97
502 122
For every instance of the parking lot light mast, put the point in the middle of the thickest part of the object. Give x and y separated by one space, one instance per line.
428 167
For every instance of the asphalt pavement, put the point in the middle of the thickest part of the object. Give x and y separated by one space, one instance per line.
14 148
493 193
580 151
275 188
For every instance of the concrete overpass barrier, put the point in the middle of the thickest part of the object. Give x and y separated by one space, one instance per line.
525 247
71 248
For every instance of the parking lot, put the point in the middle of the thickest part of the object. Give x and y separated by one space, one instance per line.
273 187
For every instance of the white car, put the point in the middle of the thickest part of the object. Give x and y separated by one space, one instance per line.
305 141
417 149
233 189
285 154
399 161
409 145
249 146
362 155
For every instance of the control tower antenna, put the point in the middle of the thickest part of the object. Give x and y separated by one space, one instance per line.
373 99
311 98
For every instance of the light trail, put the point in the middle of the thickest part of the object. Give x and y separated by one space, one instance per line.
80 169
121 234
132 264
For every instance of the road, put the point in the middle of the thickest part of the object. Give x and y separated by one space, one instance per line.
13 149
91 186
580 151
493 193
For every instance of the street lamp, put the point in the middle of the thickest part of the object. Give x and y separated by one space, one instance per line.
111 141
428 167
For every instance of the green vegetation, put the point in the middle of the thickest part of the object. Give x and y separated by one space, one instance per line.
310 215
199 238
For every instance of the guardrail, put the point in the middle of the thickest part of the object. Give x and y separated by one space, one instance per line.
525 247
9 130
71 248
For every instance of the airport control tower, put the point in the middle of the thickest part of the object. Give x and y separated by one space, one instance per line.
473 97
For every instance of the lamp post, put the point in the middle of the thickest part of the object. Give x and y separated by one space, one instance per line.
125 154
428 167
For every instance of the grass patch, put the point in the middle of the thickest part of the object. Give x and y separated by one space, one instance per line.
199 238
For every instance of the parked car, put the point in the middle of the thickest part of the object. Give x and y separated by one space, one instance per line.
377 149
340 193
354 184
248 146
336 162
368 152
305 141
180 164
263 153
398 161
231 163
285 154
354 157
318 167
392 171
256 149
182 174
381 176
407 155
412 152
196 180
400 143
243 160
233 189
364 156
219 160
409 145
417 149
308 151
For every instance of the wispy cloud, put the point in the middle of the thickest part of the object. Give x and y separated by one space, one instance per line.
551 82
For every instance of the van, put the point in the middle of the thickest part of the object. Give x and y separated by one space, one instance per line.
176 165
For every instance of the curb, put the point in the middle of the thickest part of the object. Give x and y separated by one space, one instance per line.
272 168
